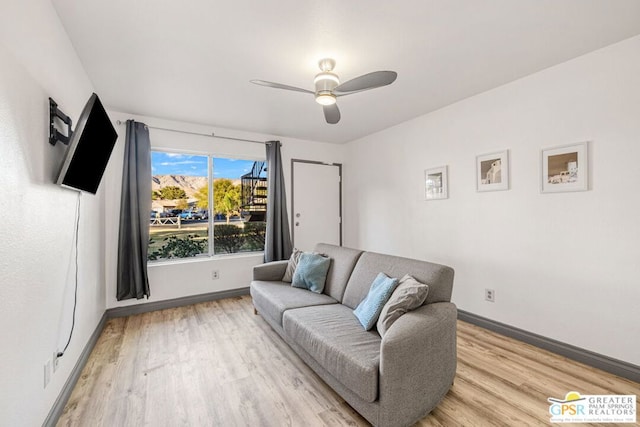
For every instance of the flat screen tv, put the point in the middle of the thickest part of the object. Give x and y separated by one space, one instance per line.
90 147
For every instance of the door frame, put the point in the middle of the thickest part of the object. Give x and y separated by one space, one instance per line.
339 165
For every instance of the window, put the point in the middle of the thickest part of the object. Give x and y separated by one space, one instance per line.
204 205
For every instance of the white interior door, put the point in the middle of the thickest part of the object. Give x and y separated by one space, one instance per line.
316 206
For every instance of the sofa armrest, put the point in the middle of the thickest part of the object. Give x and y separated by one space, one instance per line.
270 271
417 363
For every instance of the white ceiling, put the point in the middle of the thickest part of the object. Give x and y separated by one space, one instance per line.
192 60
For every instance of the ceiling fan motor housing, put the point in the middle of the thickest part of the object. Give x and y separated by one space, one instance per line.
325 83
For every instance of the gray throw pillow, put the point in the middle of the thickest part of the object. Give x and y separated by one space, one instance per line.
409 295
291 267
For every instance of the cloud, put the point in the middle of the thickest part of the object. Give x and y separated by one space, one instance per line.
183 162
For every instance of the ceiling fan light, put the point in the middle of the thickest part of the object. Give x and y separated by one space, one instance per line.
325 99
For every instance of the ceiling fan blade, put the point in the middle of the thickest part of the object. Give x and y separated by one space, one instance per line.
280 86
367 81
331 113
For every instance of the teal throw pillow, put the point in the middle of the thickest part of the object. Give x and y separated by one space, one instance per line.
311 272
370 307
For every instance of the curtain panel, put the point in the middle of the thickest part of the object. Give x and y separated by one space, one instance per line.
277 245
135 205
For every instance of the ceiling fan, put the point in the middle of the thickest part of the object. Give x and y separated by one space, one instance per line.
328 87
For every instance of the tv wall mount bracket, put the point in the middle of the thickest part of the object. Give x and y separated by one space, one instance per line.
54 134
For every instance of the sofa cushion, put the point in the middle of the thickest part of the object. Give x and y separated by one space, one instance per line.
370 307
438 277
273 298
342 262
311 272
334 338
409 295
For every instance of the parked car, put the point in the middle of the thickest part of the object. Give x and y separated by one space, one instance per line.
174 213
191 214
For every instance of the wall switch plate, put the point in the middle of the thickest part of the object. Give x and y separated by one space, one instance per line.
215 275
47 372
490 295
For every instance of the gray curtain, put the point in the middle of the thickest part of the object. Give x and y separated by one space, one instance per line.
135 206
277 244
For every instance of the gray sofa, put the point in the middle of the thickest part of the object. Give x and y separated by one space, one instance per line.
390 381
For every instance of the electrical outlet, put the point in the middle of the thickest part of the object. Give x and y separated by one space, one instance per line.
215 275
56 360
490 295
47 372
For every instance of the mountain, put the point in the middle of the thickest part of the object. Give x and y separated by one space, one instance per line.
190 184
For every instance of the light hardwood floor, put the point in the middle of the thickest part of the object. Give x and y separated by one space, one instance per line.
218 364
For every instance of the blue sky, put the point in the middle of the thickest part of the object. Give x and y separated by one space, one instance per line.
195 165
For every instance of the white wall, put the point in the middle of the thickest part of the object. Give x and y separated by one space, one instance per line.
175 279
37 268
564 265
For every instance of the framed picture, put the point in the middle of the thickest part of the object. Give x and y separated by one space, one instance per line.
492 171
565 168
436 185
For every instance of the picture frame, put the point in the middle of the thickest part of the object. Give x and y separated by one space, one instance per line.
436 183
492 171
564 168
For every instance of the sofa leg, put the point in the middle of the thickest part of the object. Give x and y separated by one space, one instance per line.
255 311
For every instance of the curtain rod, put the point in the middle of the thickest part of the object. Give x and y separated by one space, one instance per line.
210 135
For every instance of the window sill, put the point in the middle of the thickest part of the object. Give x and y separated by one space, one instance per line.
204 258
